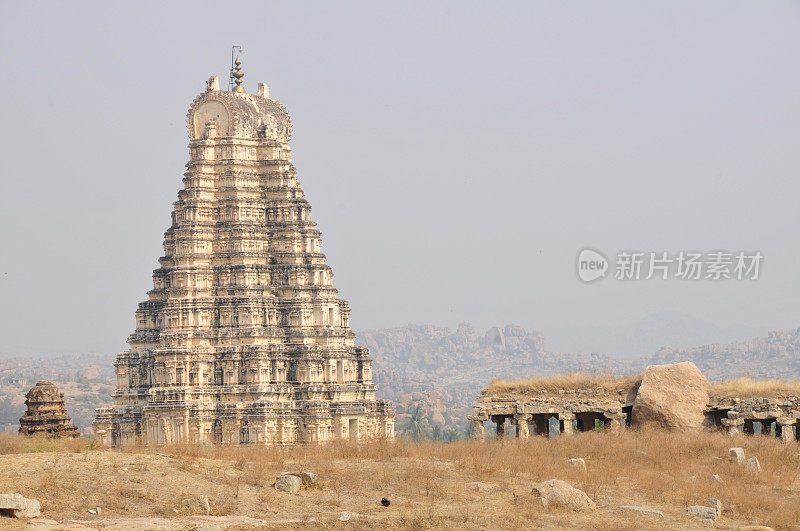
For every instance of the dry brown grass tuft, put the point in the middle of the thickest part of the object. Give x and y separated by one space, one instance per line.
749 388
737 387
11 443
571 381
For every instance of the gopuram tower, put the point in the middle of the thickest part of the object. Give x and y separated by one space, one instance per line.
243 338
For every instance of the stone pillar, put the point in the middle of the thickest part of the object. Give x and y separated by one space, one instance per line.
566 419
478 431
165 429
187 434
733 423
523 431
785 427
614 423
733 426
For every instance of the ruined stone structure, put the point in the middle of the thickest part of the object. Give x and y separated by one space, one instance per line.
611 407
243 338
549 413
779 417
46 412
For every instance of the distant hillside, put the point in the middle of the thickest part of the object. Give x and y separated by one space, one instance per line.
443 370
86 381
432 374
774 356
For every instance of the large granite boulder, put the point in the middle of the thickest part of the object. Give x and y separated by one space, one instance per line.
288 483
561 494
17 506
672 396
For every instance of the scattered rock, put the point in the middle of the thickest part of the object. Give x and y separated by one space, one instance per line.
20 507
736 455
198 504
702 511
437 418
716 504
716 478
385 502
562 494
753 464
345 516
482 487
672 396
578 462
308 478
643 510
288 483
92 511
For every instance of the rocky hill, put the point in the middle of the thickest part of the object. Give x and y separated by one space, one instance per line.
441 370
436 373
775 356
432 374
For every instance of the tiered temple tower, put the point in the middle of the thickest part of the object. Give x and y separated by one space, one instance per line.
243 338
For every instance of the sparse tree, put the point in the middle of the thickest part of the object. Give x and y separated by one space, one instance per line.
418 425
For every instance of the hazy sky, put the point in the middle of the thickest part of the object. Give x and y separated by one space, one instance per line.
457 155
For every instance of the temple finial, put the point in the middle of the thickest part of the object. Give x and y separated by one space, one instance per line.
238 75
236 72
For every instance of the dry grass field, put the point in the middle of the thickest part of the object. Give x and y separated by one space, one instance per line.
575 380
749 388
430 485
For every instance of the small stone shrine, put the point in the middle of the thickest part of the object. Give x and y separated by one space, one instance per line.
46 412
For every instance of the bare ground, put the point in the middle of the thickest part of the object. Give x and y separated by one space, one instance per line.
430 485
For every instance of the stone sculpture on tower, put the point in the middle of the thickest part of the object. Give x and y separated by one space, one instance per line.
243 338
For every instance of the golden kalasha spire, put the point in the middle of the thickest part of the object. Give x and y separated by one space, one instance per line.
238 75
